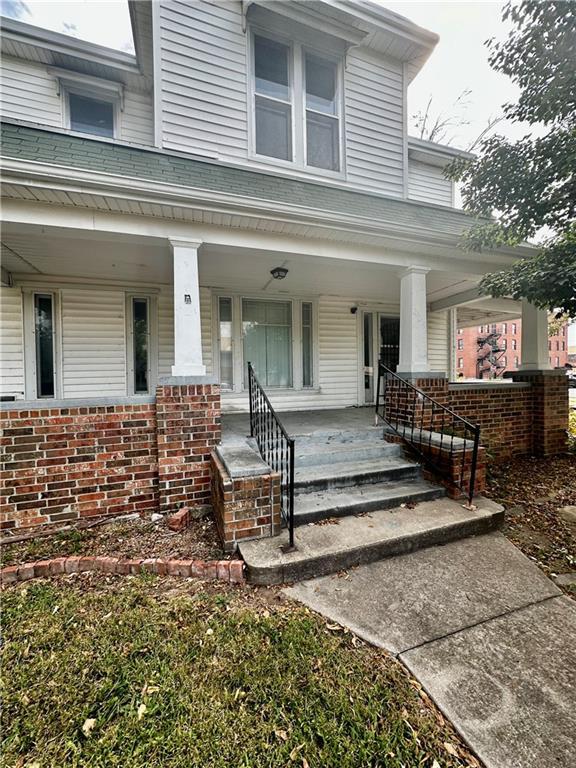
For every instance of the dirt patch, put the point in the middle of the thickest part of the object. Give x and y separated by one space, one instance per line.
128 539
534 491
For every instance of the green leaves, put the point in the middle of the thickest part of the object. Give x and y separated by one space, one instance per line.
530 184
548 280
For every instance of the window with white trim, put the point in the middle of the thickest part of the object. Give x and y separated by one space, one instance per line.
44 344
141 347
275 334
297 104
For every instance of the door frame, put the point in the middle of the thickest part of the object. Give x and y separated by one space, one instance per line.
376 313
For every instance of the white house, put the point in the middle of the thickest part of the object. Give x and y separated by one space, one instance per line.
242 189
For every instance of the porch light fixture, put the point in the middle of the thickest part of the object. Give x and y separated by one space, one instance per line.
279 273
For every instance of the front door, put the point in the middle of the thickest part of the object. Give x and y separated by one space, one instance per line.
380 341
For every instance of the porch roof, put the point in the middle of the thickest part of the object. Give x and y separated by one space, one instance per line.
127 162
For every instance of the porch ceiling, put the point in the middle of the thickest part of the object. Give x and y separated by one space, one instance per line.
33 251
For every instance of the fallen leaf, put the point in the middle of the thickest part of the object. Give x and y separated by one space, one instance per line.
142 709
294 753
451 749
89 724
282 735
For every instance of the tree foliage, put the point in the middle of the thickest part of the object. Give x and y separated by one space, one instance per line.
526 185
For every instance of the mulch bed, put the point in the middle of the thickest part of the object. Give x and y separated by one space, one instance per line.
139 538
534 491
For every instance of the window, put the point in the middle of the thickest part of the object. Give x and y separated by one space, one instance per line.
225 339
504 327
563 346
307 375
460 331
549 346
44 345
92 116
557 346
296 118
557 361
516 361
322 125
514 344
514 328
504 361
460 343
503 343
267 333
141 345
460 362
273 98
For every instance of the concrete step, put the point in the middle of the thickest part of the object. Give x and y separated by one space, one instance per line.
339 436
336 453
352 541
325 477
339 502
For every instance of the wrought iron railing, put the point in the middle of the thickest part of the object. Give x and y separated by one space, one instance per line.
446 442
275 445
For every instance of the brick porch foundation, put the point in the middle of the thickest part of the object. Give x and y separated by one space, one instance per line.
68 460
71 459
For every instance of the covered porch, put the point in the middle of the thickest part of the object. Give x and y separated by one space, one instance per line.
126 309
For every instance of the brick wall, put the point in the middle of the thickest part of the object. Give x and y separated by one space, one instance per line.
188 429
70 462
504 414
244 507
529 416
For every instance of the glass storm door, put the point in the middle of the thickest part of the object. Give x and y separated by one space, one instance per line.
380 341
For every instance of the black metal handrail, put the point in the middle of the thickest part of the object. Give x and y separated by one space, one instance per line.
275 445
433 431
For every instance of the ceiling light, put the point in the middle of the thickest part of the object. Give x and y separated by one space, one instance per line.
279 273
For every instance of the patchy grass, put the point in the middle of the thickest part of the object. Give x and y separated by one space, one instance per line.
124 672
534 491
132 538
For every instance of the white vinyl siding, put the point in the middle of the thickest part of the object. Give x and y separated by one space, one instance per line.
11 343
204 83
438 346
165 332
136 120
374 122
427 184
338 352
30 93
93 342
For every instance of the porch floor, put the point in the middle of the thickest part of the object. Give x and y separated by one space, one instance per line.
236 426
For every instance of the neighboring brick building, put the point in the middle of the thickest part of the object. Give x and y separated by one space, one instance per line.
502 350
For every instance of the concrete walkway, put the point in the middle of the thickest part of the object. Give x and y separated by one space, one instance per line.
490 638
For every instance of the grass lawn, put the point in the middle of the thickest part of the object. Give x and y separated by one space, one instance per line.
105 671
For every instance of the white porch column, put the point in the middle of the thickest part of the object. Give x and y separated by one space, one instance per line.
413 357
187 329
535 354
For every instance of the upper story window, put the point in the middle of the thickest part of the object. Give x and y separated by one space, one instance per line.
297 105
92 116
